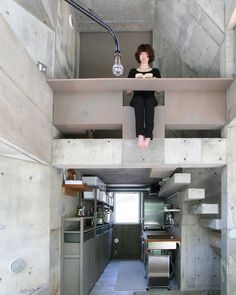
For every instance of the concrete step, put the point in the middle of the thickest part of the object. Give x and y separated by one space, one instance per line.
215 240
174 184
211 223
193 194
175 292
204 208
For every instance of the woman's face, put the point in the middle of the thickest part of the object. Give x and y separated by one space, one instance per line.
143 57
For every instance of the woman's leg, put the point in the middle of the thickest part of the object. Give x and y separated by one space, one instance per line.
139 115
149 116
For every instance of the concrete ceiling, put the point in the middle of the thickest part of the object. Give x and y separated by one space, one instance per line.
122 176
122 15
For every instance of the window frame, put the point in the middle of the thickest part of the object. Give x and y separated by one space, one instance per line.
139 208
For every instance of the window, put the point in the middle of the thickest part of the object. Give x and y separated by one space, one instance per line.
127 208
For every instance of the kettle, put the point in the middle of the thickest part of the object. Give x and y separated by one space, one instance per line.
81 211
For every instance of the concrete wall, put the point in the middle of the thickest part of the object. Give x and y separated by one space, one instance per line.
36 37
227 50
231 102
65 43
229 10
61 206
24 225
26 114
42 27
187 37
31 200
197 264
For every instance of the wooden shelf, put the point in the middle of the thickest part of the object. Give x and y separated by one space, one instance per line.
72 189
120 84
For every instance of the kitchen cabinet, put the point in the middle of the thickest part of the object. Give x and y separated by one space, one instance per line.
85 253
101 201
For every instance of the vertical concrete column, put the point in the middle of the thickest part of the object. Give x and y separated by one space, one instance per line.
227 65
228 233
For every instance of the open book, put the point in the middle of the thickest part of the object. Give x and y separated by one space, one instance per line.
146 75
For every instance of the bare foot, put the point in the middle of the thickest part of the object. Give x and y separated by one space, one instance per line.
147 142
141 142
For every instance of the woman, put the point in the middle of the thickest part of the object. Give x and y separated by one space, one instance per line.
144 102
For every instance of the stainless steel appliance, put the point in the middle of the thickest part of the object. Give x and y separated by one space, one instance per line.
107 217
100 217
157 271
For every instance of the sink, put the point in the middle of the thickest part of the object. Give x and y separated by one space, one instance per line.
161 240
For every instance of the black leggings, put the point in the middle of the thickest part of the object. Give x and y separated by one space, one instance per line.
144 114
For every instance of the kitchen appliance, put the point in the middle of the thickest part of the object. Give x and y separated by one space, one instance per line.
157 271
153 213
81 211
107 217
100 217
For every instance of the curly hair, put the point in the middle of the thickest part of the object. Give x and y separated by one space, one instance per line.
145 48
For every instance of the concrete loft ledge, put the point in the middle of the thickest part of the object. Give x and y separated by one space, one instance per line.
97 104
124 153
120 84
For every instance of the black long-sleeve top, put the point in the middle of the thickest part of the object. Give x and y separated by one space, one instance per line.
134 73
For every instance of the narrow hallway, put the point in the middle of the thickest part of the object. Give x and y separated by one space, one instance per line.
127 277
121 277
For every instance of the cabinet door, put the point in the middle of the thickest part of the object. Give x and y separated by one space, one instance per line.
92 261
110 242
106 250
71 274
86 267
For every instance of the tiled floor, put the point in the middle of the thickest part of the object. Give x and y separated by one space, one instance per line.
126 277
120 277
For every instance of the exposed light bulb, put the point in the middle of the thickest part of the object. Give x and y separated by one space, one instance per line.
117 68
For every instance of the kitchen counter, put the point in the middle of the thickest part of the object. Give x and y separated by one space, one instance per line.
159 240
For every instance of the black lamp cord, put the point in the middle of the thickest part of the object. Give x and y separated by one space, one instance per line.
89 13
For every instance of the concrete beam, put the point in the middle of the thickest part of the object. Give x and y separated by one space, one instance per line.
174 184
118 153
